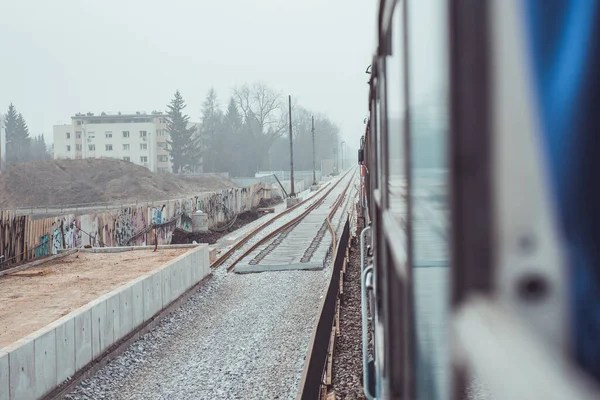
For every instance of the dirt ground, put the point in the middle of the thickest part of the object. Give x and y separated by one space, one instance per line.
35 297
182 237
64 182
211 237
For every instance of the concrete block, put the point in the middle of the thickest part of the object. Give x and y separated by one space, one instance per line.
152 295
189 275
83 338
98 320
137 297
4 376
167 295
45 363
176 279
213 255
314 188
125 325
157 291
113 308
65 350
21 361
292 201
193 257
102 328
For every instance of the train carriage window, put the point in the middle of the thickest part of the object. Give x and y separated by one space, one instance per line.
428 116
396 119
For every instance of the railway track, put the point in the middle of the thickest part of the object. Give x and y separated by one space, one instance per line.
309 237
243 329
290 218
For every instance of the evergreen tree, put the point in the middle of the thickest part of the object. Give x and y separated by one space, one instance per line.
212 126
233 150
10 126
184 144
39 150
23 140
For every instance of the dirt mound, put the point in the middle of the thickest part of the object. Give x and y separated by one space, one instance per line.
63 182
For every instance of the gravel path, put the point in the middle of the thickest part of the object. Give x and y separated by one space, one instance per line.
347 358
239 337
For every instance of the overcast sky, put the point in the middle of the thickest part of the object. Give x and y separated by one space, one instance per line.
60 57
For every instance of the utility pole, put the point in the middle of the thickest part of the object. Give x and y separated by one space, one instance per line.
342 153
292 194
313 139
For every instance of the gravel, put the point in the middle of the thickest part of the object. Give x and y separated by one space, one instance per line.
238 337
347 357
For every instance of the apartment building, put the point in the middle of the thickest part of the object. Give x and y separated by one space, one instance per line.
140 138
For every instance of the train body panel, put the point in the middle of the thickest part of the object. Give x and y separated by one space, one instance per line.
480 132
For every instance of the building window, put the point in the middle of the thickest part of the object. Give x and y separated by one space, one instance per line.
78 147
68 148
125 134
126 158
163 158
91 135
108 135
143 146
68 135
161 145
143 159
126 147
78 134
78 122
143 133
109 147
92 147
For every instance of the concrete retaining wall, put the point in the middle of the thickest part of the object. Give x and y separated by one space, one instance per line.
38 363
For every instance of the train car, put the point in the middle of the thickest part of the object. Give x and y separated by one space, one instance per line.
481 268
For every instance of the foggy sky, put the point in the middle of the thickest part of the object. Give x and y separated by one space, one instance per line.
61 57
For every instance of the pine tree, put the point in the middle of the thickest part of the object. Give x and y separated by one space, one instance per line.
23 140
233 159
10 126
184 144
212 126
39 150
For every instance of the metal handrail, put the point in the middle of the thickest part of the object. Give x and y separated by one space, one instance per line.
365 332
364 313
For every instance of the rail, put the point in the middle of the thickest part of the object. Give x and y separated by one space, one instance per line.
318 352
292 222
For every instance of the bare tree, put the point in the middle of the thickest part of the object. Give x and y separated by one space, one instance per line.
264 104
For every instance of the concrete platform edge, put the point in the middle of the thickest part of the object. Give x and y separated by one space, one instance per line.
38 365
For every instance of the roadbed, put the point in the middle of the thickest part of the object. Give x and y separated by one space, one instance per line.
35 297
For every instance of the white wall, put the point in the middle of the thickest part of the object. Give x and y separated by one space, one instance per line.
95 134
61 141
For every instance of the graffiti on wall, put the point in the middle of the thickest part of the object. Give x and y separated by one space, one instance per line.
57 242
128 226
43 248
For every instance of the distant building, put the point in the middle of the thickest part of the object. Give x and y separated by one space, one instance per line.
140 138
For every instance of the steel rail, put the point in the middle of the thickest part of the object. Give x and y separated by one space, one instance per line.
244 240
290 223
